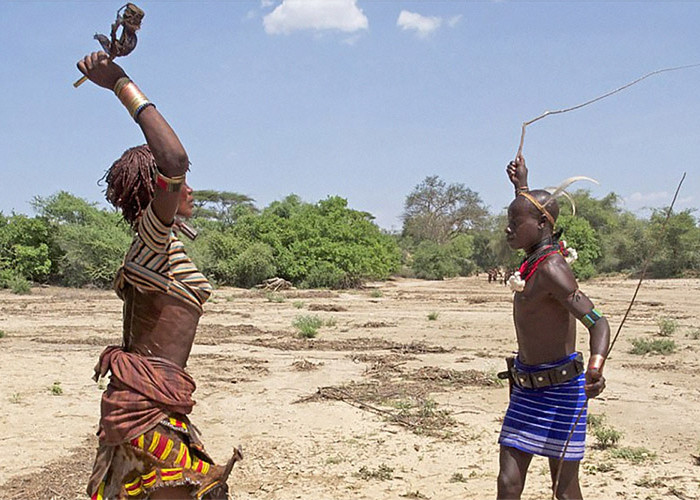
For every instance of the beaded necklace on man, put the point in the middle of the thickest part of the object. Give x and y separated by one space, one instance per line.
542 250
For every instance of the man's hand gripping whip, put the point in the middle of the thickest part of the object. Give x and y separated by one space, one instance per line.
130 22
645 265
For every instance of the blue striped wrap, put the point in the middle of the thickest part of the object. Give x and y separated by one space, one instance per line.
538 421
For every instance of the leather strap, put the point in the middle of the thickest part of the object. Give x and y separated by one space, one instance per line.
549 377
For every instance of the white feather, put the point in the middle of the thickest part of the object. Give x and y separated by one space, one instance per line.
566 195
560 189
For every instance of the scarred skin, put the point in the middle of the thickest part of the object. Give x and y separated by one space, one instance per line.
172 161
545 315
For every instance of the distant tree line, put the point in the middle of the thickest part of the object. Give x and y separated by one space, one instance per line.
447 231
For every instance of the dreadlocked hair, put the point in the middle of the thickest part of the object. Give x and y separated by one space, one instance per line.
130 184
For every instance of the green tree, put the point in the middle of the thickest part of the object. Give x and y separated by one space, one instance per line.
92 241
579 235
324 244
436 211
26 247
222 206
678 246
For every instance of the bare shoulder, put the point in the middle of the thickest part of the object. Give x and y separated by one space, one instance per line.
557 277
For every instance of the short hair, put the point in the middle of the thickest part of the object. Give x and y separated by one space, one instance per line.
544 198
130 182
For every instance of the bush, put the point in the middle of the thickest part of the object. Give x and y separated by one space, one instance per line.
312 245
92 252
631 454
432 261
656 346
436 261
327 275
19 285
606 437
254 265
307 325
579 235
232 260
26 247
667 326
92 241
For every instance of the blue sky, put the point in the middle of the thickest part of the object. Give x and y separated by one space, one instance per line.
361 98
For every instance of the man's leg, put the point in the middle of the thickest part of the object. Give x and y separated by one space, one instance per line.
568 480
513 469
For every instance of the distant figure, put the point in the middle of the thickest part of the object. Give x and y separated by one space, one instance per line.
548 385
493 274
148 448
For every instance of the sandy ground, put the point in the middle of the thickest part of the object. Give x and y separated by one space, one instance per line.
385 403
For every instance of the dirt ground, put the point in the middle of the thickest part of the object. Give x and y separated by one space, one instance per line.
395 398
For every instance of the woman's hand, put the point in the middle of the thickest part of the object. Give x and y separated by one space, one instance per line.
101 70
517 172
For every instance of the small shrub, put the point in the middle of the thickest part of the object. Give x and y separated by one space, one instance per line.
596 421
326 275
298 304
656 346
433 316
16 398
458 477
667 327
606 437
632 454
694 334
414 494
648 482
2 334
335 460
383 473
56 389
19 285
602 467
331 322
274 297
307 325
375 294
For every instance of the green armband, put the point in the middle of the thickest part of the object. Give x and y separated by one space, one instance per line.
591 318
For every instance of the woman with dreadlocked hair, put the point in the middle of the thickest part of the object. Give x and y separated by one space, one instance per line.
130 182
147 446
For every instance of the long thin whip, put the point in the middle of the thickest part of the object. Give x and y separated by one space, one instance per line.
645 265
596 99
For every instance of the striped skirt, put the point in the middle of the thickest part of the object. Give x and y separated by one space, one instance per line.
538 421
162 457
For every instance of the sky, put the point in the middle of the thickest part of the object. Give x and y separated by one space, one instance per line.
361 98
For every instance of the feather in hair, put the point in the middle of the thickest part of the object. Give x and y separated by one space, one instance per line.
560 189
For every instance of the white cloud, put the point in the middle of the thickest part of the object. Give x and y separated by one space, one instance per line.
422 25
658 199
454 20
642 198
316 15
